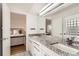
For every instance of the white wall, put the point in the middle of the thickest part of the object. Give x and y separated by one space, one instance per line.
18 21
57 18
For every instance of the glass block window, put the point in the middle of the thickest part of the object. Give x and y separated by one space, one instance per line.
72 26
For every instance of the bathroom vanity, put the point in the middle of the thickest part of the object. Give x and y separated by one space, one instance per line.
17 39
50 46
17 36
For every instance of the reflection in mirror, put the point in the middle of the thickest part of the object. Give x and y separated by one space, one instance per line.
48 26
70 29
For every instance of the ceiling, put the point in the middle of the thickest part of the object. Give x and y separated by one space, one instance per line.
27 7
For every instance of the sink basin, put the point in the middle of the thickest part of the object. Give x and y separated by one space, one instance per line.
66 49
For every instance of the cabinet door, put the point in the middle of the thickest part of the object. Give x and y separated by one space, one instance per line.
31 24
31 47
41 25
35 48
36 51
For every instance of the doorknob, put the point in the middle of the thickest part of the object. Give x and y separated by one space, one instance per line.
5 38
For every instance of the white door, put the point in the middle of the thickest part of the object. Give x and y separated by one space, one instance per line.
6 29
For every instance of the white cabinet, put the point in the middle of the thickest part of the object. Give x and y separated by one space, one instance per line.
31 47
37 48
35 24
31 24
41 25
36 51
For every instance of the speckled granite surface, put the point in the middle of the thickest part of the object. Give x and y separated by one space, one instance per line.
47 40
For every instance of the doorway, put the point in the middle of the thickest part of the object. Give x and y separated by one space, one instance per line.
48 26
18 33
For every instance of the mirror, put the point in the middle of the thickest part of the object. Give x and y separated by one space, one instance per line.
48 26
71 25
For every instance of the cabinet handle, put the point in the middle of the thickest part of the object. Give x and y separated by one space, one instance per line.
41 28
32 28
36 48
45 55
36 43
4 39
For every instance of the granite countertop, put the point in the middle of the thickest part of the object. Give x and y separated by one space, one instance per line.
17 35
47 40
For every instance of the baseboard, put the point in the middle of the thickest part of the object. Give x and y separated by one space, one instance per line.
18 45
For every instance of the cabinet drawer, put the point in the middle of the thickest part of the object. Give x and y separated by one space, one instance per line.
17 41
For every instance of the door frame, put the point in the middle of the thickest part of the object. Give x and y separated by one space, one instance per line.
1 46
26 14
22 13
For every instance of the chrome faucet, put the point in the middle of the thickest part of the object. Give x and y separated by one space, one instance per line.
70 41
